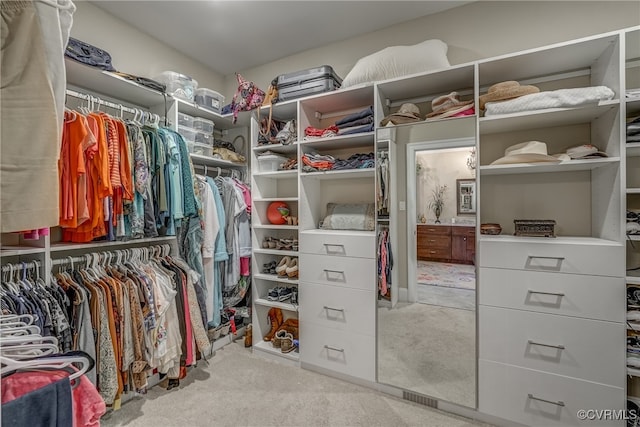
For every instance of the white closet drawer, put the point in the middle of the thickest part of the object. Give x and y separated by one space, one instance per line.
592 297
512 393
557 344
346 309
358 273
339 351
575 256
360 244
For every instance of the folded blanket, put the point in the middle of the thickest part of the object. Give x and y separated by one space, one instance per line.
551 99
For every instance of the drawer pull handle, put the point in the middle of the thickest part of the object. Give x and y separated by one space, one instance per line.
334 248
328 347
558 403
559 258
559 347
333 309
553 263
333 271
557 294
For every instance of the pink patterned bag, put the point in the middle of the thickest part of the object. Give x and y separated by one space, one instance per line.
247 97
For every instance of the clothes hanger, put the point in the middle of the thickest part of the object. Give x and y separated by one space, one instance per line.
7 318
28 351
12 365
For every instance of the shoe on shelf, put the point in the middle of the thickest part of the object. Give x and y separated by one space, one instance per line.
275 319
286 345
294 296
274 294
269 268
284 294
269 243
281 269
292 268
291 326
277 339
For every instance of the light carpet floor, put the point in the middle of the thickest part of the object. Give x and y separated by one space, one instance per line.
428 349
239 388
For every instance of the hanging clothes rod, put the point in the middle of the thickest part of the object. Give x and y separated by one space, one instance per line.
100 101
103 255
8 268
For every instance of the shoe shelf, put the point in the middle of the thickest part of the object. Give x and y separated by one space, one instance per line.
275 227
634 237
275 278
267 347
279 174
277 304
633 372
633 280
275 252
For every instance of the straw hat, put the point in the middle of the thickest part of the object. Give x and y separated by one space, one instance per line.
448 105
526 152
506 90
585 151
407 113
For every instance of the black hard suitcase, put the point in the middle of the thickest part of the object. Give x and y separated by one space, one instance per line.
307 82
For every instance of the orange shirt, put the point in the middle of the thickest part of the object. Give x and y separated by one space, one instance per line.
71 167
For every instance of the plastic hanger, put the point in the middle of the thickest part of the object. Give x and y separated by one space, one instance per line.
11 365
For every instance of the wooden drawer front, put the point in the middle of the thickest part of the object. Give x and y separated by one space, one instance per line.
434 253
540 255
434 242
434 230
591 297
557 344
339 351
349 244
345 309
459 230
511 393
357 273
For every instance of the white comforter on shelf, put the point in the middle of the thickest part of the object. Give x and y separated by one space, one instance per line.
552 99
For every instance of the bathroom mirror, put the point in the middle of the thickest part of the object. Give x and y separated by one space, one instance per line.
427 340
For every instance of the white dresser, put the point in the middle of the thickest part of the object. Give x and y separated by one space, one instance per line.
551 325
337 301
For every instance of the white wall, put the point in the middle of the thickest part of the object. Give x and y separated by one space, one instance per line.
135 52
478 30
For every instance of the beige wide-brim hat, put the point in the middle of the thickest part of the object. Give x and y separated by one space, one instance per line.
504 91
448 105
407 113
526 152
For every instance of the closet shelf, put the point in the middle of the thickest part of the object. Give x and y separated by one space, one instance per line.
634 237
267 347
341 142
281 174
61 247
633 106
275 199
634 190
19 250
634 372
573 165
275 227
633 149
210 161
633 280
275 278
545 118
276 304
281 110
277 148
113 86
275 252
341 174
565 240
193 109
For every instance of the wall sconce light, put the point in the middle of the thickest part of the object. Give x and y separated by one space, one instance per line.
471 160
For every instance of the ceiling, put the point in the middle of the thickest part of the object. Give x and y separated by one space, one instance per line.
234 35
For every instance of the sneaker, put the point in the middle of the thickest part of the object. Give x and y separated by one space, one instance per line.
285 294
274 294
294 296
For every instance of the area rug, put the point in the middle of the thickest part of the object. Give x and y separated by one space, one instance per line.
446 274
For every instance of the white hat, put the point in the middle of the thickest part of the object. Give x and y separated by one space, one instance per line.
526 152
585 151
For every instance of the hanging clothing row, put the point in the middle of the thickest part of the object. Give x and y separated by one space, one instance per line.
382 183
121 179
40 385
385 262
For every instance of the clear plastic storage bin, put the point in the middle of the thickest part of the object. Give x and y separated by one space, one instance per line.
200 149
185 120
189 134
209 99
271 162
204 138
203 125
178 85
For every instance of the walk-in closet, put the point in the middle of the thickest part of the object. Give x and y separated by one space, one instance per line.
320 213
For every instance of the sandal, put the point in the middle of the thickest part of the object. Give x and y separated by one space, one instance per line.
281 269
286 343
